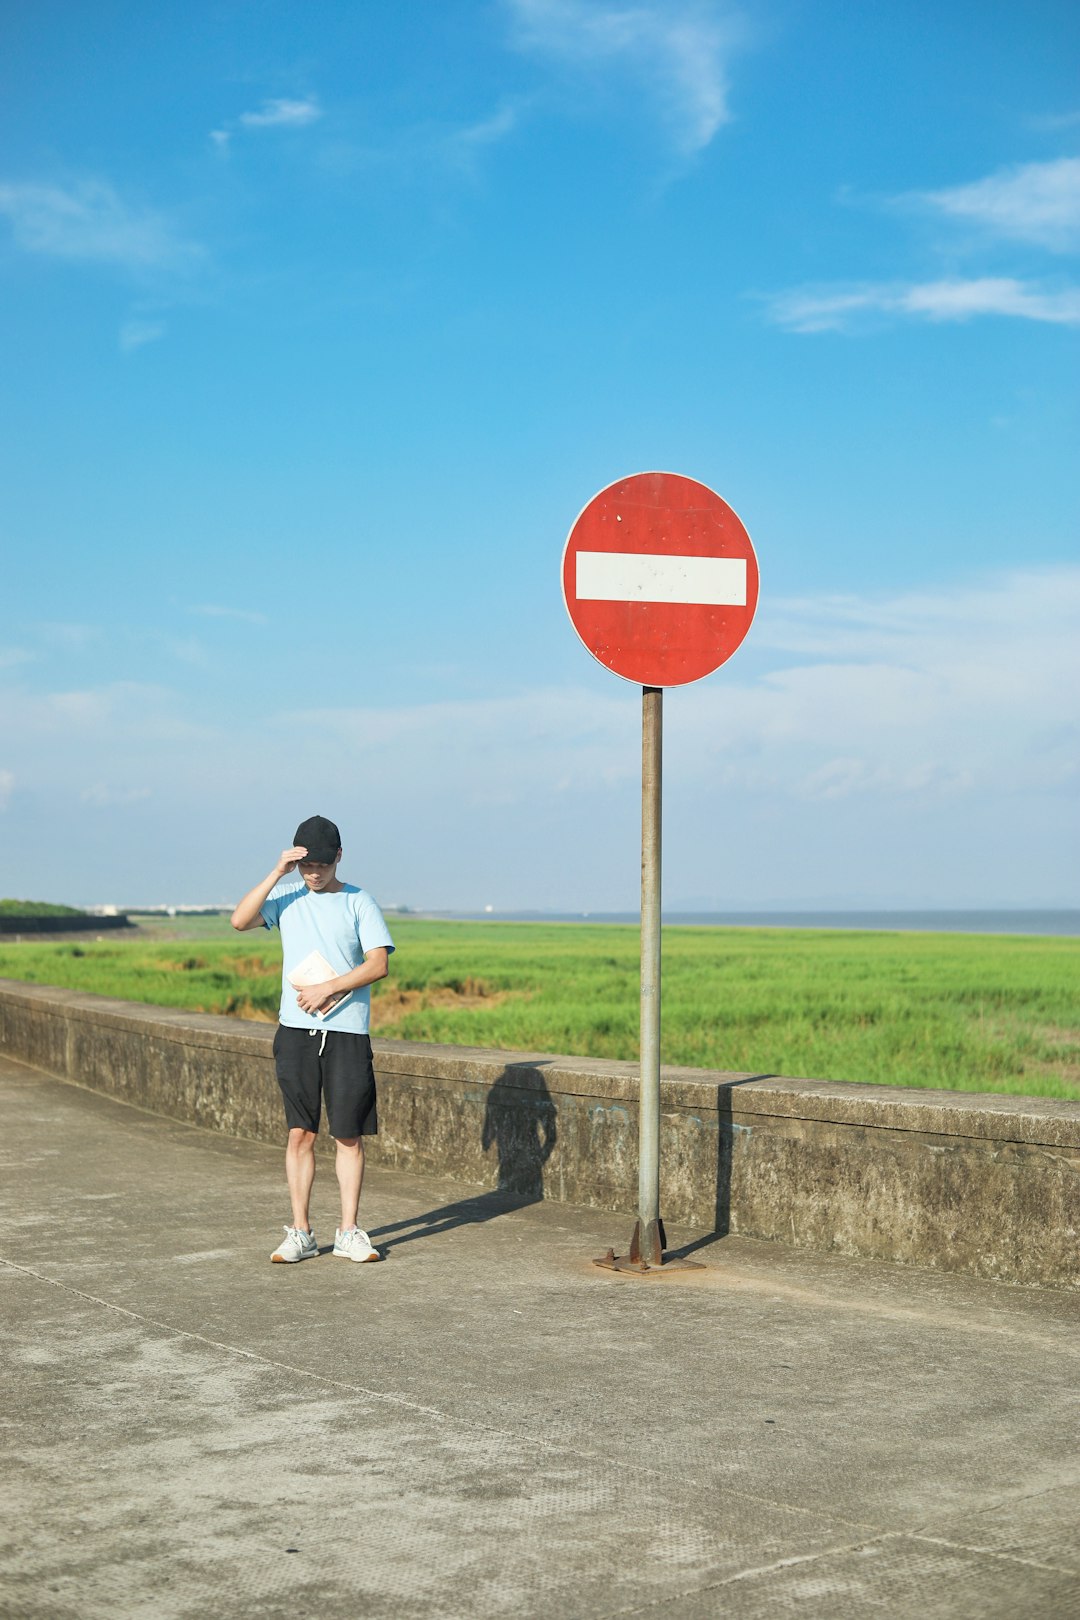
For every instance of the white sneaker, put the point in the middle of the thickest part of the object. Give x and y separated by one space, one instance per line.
297 1245
355 1245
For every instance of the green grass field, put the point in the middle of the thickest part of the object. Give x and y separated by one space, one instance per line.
964 1012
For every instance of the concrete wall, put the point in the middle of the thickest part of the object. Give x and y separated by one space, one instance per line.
988 1185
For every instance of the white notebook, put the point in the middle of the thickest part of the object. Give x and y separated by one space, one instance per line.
315 969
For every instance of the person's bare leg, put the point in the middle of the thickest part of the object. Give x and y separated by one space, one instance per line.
350 1175
300 1173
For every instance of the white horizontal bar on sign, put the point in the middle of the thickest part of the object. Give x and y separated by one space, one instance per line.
633 576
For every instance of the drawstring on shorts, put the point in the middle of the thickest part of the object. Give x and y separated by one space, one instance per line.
324 1032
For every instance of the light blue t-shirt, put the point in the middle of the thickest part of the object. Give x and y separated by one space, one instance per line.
343 926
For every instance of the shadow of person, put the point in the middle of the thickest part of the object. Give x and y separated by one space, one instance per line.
521 1124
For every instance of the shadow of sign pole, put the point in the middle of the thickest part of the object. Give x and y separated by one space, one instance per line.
660 581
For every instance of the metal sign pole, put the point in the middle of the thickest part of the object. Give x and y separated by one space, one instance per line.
652 751
647 1244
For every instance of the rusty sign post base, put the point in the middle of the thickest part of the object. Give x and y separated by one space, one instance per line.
648 1255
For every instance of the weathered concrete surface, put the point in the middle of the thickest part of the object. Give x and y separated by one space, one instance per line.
486 1425
987 1185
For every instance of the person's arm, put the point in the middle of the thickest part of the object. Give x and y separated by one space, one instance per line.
376 965
247 913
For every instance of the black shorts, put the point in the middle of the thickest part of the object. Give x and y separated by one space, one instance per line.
342 1073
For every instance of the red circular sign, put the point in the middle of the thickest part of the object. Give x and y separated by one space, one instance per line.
660 579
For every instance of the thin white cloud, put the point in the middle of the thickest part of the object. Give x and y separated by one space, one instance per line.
1037 204
7 788
70 637
98 722
846 307
91 223
489 131
283 113
185 649
1056 121
850 628
458 149
1029 202
137 333
102 796
212 610
678 51
463 148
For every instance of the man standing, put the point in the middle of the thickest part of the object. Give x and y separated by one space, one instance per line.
322 1050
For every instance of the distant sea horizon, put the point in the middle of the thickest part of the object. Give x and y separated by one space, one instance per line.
1051 922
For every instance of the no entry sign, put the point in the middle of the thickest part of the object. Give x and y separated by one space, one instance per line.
660 579
661 583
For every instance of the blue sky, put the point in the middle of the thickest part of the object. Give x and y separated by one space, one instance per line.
319 326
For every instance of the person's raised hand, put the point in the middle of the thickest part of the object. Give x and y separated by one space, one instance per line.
288 859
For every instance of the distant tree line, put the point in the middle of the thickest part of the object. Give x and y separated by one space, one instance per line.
38 908
40 917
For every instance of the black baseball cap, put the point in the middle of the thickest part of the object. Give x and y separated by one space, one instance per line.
320 838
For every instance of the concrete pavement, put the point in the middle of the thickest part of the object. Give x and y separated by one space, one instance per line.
486 1424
